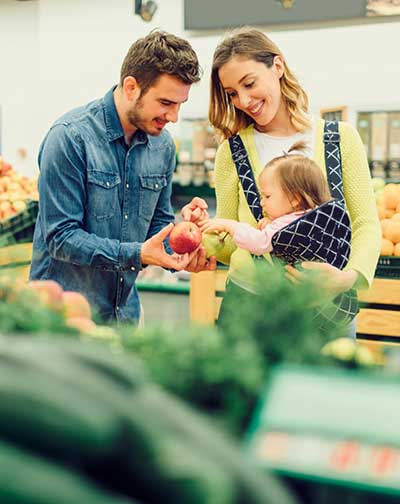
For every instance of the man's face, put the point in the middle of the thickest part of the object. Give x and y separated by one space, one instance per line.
159 105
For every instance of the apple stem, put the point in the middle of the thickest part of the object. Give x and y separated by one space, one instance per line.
225 235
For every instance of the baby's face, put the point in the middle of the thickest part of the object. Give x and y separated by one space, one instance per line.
274 201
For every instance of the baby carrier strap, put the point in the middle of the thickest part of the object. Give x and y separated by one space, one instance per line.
333 159
246 175
333 162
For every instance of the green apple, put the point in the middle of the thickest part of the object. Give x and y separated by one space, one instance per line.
213 242
378 194
378 183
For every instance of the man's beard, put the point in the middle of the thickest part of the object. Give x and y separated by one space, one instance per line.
136 118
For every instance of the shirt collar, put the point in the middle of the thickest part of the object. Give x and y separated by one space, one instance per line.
113 123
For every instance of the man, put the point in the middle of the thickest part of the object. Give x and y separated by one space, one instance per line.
106 178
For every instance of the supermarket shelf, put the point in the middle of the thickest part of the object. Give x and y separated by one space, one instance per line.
192 190
173 288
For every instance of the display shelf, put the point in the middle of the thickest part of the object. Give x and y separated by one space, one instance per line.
388 267
174 288
192 190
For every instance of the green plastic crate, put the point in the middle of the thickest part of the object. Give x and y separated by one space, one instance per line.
331 428
20 227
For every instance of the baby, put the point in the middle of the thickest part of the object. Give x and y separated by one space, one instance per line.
290 186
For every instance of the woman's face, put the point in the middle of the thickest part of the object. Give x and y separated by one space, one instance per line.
253 87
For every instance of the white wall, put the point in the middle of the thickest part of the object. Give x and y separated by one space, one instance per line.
58 54
18 75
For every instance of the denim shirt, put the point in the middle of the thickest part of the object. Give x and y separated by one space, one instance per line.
100 199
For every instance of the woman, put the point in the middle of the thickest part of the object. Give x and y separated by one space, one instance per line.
255 94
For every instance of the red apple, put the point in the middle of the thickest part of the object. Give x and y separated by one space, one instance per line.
75 305
185 237
50 292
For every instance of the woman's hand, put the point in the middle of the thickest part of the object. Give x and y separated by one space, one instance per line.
219 225
334 280
195 211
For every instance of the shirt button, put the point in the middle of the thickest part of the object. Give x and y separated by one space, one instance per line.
108 184
156 186
121 279
126 216
117 308
127 186
133 268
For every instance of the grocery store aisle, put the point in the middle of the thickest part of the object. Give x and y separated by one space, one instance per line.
168 308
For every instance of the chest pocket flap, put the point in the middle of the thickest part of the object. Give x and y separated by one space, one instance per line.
153 182
107 180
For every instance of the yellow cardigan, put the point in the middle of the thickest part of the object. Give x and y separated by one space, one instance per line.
358 192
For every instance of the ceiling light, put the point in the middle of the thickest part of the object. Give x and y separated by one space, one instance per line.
145 9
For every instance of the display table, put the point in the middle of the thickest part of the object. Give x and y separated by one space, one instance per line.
379 317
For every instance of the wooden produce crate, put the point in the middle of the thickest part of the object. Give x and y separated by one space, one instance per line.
378 320
16 260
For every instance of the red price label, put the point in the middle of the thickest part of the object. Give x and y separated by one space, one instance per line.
345 456
383 461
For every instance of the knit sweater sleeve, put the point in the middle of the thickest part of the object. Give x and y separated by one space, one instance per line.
227 194
360 201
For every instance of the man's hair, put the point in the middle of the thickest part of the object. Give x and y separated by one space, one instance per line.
160 53
300 176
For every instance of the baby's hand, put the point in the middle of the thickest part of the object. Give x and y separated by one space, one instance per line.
263 222
219 225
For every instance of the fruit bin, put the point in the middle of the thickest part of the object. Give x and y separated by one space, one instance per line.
19 227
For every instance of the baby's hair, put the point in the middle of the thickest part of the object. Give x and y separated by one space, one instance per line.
300 176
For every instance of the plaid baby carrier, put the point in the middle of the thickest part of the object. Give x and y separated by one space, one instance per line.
322 234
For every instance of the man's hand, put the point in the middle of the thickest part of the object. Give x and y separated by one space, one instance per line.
195 211
153 252
199 262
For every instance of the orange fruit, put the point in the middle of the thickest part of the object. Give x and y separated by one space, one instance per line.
384 224
392 231
381 212
391 196
387 247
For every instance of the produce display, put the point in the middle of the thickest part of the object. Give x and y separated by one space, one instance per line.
82 422
388 203
15 190
43 305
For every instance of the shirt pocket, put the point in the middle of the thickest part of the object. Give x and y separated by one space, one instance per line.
103 194
150 189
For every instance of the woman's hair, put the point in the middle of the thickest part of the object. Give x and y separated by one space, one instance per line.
250 43
301 177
